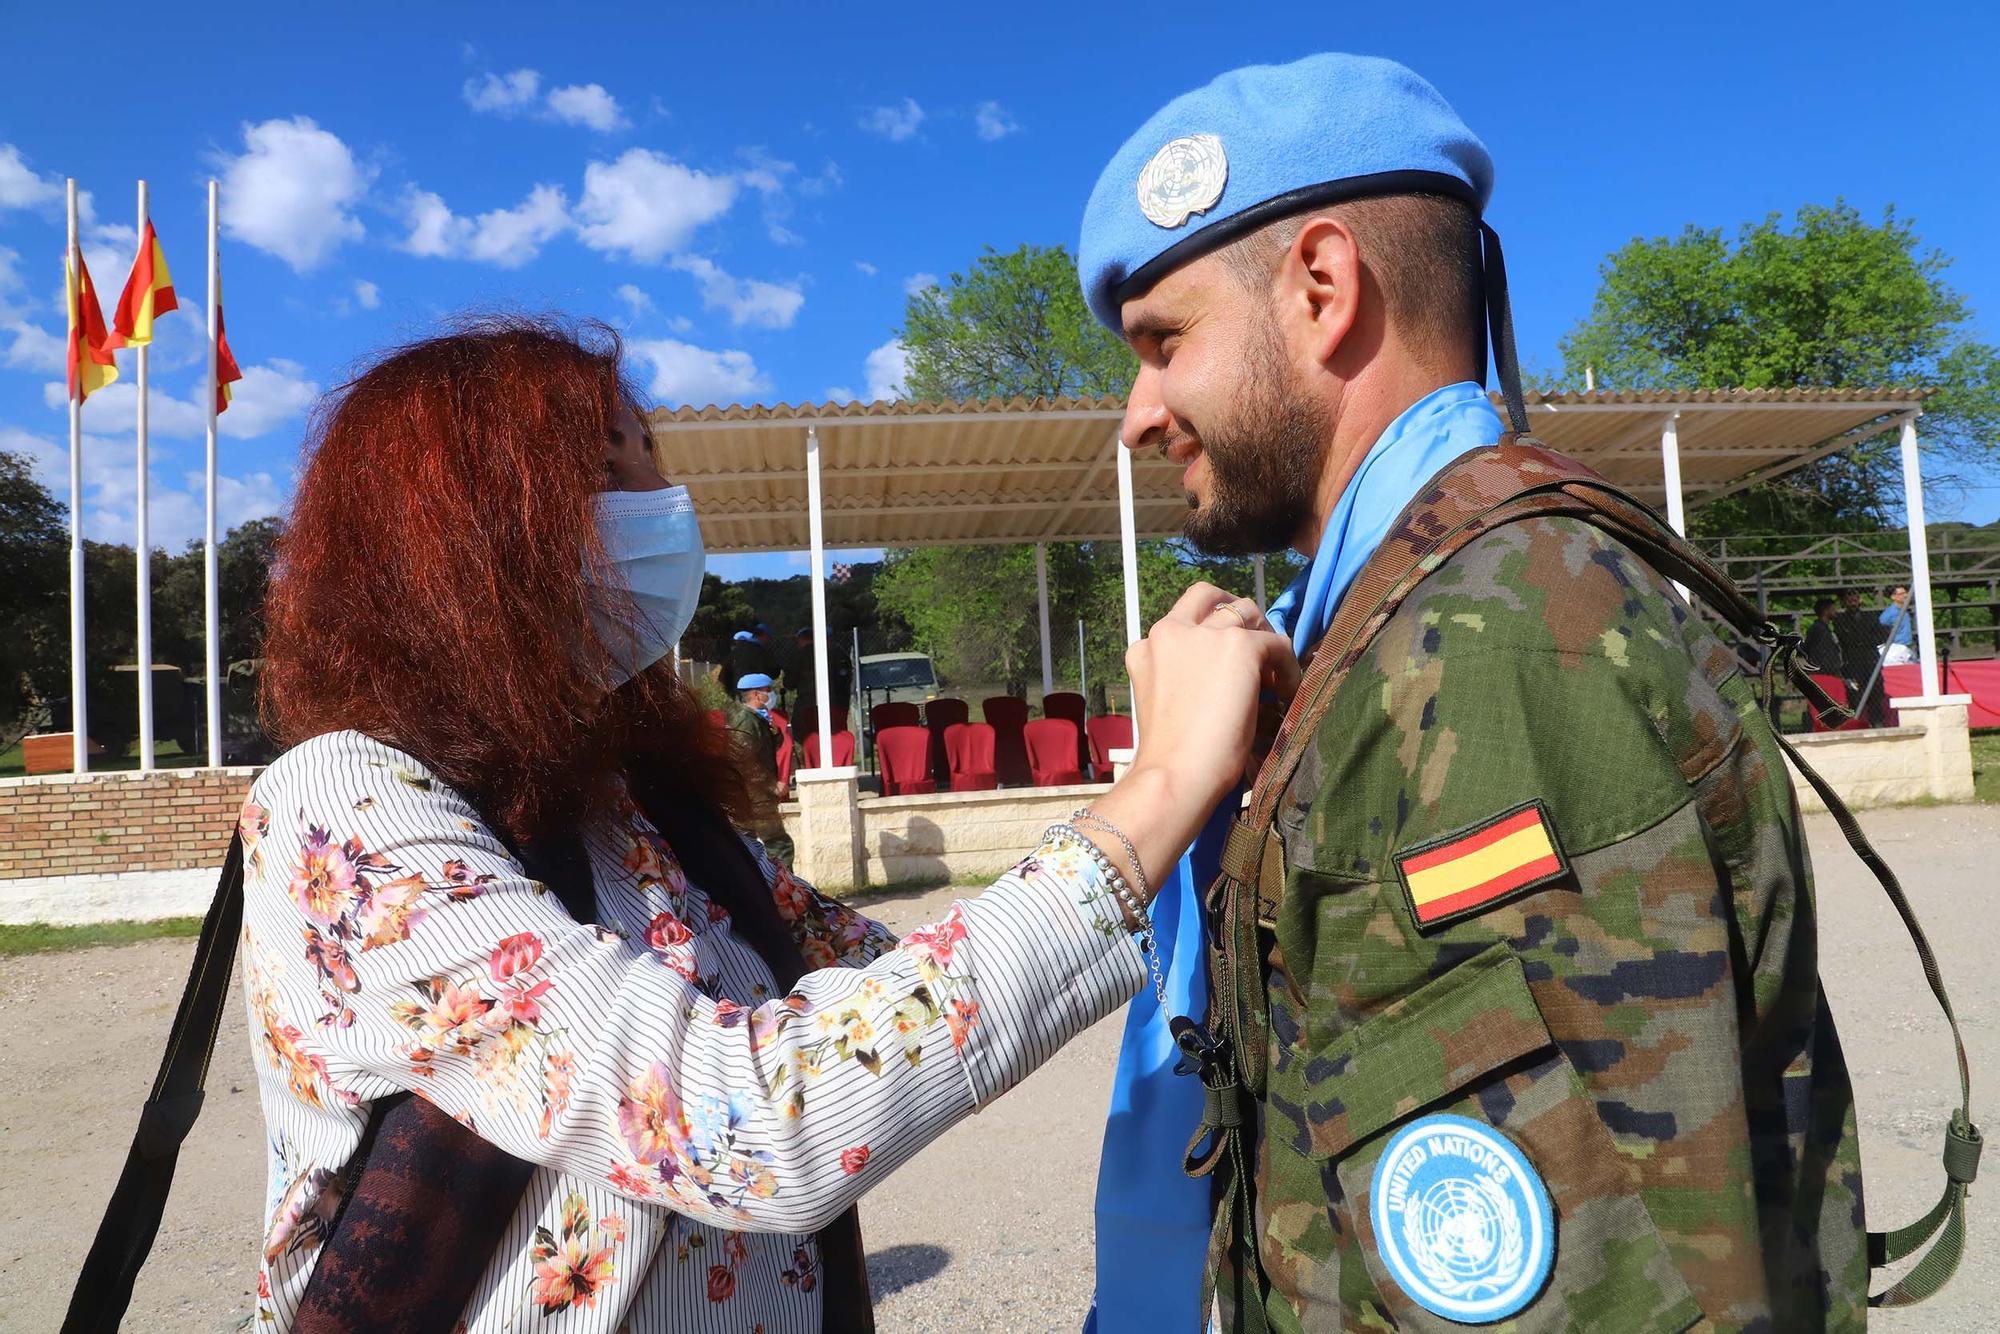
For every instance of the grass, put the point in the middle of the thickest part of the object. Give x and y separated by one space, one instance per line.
41 939
1986 766
166 755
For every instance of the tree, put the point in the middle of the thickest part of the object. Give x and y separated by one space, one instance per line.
1834 302
34 636
1012 325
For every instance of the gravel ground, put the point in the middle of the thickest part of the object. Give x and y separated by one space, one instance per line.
990 1228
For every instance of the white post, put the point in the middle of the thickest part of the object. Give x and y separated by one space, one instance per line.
1670 466
1920 563
822 686
211 580
1082 670
143 574
79 721
1257 572
1129 544
1042 604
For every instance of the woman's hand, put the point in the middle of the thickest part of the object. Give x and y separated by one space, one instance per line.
1196 680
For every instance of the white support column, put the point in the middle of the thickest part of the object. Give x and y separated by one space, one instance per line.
1257 569
1042 604
822 688
1920 563
1082 668
1129 547
143 551
1670 467
79 721
211 581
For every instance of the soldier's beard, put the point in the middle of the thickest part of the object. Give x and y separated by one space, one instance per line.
1263 461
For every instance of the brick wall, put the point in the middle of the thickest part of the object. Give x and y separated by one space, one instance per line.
57 824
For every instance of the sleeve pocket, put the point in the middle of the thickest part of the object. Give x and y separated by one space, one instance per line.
1459 1104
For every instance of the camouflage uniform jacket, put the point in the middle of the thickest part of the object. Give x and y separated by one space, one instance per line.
1648 1028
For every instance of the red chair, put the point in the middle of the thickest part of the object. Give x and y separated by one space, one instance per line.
1109 732
1837 688
843 750
1007 715
970 746
718 717
894 713
905 754
938 715
1068 704
808 720
785 752
1051 746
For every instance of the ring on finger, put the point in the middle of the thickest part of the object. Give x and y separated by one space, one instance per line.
1230 607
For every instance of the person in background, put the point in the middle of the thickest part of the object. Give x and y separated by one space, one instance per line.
748 718
1901 648
1822 644
747 657
1860 634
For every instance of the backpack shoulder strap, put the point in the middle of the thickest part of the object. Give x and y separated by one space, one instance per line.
1521 479
132 1221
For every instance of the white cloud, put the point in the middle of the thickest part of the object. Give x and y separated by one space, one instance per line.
587 104
992 122
866 268
919 282
291 191
886 368
20 187
647 206
683 373
507 237
34 348
839 393
110 490
366 294
266 398
747 300
503 94
636 301
894 123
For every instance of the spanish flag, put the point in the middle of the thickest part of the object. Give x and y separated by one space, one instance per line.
149 292
91 365
226 369
1474 869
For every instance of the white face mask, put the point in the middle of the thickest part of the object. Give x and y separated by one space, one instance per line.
655 547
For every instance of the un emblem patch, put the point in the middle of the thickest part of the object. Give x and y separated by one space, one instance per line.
1184 178
1462 1220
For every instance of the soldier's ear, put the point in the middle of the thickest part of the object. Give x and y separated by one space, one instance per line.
1320 288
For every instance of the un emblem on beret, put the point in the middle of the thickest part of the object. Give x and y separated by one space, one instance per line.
1462 1220
1184 178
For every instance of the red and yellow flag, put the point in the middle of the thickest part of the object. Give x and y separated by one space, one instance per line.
1475 869
149 292
226 369
91 365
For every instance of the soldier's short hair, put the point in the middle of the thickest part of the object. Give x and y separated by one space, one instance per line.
1423 250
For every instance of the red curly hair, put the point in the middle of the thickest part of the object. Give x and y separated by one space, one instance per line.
430 587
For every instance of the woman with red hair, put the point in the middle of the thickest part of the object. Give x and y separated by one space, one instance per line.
653 1070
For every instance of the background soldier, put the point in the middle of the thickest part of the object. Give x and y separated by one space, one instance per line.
1542 956
748 717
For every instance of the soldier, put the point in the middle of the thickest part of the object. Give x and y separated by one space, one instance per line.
748 717
1533 1031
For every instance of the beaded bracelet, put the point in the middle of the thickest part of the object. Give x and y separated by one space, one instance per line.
1149 944
1084 815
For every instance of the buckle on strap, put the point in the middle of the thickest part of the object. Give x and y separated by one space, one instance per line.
1962 1145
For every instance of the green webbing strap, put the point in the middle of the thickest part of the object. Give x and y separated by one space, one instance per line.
1962 1141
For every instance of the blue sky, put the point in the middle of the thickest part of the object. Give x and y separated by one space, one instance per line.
748 191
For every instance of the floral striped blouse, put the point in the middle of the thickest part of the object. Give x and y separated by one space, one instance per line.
691 1129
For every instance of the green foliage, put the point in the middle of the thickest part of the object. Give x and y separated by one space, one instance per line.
1833 301
38 938
1012 325
34 602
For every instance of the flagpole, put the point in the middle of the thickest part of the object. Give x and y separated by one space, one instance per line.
211 586
79 723
144 551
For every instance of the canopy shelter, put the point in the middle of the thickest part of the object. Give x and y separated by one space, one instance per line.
891 474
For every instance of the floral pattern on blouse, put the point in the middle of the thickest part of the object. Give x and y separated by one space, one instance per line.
682 1118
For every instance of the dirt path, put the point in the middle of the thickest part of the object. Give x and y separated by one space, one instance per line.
990 1228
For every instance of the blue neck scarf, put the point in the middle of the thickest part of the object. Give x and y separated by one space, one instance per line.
1152 1219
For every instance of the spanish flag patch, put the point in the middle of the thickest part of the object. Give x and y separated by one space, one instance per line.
1471 870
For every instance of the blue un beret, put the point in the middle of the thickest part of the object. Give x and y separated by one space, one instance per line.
753 681
1261 143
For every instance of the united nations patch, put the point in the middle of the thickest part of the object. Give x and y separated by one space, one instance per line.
1184 178
1462 1220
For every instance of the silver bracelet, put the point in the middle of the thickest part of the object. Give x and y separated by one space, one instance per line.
1084 815
1121 892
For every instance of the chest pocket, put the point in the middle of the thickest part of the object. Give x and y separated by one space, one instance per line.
1463 1066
